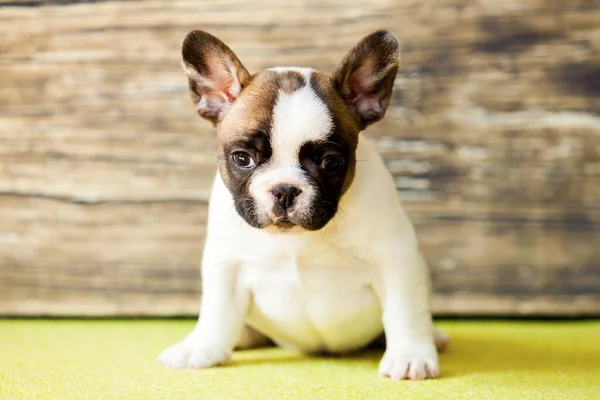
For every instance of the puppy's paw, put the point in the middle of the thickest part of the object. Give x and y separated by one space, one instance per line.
192 354
413 361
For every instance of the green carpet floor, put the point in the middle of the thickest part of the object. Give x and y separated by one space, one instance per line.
55 359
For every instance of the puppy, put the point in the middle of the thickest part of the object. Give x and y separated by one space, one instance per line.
307 243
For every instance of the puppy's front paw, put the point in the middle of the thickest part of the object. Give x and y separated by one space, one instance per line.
410 361
193 354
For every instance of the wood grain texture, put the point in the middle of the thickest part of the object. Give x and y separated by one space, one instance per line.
493 137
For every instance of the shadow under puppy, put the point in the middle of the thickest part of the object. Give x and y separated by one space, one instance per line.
307 243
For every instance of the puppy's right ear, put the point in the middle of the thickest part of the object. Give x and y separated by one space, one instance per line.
216 76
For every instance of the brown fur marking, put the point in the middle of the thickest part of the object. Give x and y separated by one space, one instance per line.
347 124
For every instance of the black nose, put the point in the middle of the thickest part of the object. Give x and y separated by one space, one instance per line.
285 194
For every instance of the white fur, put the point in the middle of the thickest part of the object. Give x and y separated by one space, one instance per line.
298 117
335 289
271 175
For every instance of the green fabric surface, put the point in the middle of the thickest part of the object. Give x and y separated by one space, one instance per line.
80 359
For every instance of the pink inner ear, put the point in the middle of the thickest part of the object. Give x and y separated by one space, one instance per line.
222 84
361 81
361 84
214 97
225 89
367 105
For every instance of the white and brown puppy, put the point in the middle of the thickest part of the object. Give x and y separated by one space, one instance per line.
307 243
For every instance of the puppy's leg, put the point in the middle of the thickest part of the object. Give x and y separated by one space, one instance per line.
222 312
440 339
403 287
252 339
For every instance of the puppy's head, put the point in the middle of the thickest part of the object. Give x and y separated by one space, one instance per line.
288 136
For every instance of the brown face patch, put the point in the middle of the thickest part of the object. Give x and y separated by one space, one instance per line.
346 122
254 108
290 81
255 146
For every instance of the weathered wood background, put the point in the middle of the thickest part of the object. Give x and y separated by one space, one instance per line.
105 170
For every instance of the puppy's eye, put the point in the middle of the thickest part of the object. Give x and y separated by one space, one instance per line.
331 162
242 160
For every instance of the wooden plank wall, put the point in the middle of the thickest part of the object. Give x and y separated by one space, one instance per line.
493 137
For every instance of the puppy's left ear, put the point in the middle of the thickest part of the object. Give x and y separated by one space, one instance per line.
365 77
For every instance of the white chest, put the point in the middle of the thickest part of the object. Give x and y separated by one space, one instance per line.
321 300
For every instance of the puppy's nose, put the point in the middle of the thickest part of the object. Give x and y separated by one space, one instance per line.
285 194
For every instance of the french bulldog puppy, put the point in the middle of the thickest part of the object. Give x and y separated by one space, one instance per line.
307 243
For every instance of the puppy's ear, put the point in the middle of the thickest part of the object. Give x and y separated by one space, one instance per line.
216 76
365 77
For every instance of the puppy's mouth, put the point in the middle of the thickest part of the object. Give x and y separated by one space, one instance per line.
284 223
